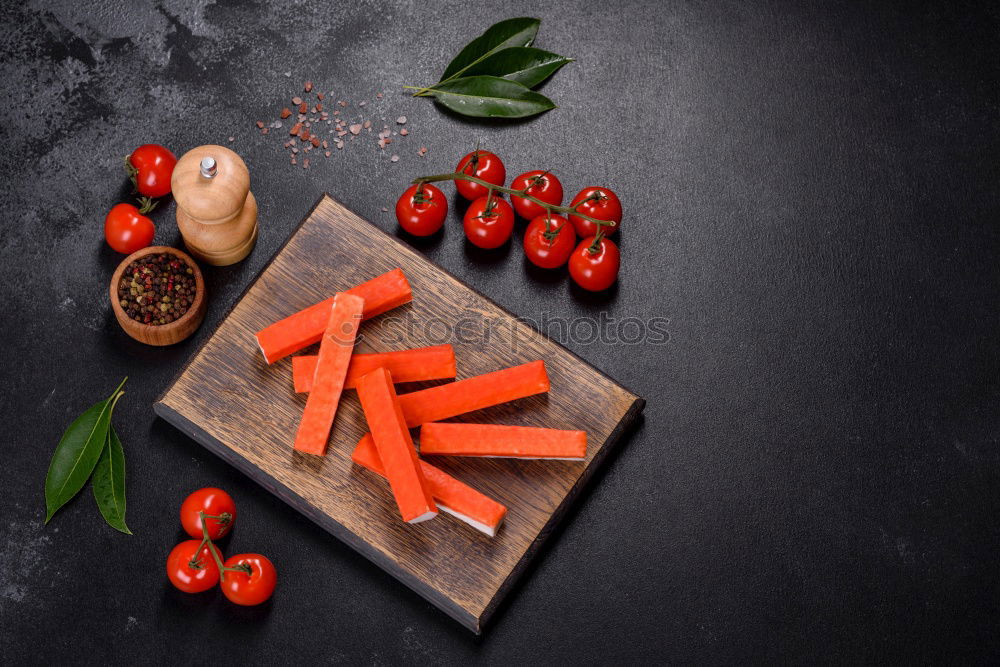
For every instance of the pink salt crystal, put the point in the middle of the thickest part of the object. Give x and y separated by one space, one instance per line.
327 154
305 163
394 158
296 101
385 210
368 124
379 95
232 139
401 120
404 132
356 128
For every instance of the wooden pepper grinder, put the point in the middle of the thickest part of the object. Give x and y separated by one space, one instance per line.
216 212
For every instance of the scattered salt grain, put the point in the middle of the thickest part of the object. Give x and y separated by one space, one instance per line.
394 158
356 128
401 120
296 100
308 86
404 132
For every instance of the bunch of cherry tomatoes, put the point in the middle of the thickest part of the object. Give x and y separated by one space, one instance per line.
126 227
196 565
550 240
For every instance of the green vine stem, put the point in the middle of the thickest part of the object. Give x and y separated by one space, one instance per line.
214 550
458 176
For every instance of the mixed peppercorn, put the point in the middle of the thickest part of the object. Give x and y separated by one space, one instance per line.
157 289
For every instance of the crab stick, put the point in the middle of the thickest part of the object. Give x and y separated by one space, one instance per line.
452 496
421 363
475 393
502 441
395 448
331 369
306 327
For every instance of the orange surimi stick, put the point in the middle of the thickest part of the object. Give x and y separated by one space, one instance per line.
502 441
475 393
452 496
331 369
306 327
395 448
421 363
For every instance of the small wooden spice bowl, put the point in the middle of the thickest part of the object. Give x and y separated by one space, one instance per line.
161 334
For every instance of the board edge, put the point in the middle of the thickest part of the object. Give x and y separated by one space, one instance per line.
611 445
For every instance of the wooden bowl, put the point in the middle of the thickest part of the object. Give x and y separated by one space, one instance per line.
160 334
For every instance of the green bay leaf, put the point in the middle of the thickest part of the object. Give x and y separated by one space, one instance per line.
77 454
490 97
109 482
511 32
524 64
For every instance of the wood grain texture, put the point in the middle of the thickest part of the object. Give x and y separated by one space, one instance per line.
231 401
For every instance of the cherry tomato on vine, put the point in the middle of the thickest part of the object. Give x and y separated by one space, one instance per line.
489 229
150 167
214 503
191 568
549 246
126 229
483 165
600 203
540 185
598 269
422 212
251 588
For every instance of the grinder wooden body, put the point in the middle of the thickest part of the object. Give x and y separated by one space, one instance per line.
216 212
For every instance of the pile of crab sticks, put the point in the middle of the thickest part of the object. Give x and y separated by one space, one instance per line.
420 489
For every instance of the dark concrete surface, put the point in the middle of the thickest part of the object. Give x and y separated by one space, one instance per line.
811 196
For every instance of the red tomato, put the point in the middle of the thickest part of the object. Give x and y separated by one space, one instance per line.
422 213
549 247
597 270
127 230
483 165
214 503
489 229
600 203
540 185
250 588
151 167
191 568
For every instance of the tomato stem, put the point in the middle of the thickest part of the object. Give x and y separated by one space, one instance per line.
552 208
214 550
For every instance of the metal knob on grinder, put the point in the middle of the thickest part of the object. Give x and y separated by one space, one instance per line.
216 212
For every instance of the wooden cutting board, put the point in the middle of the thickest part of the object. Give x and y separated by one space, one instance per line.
228 399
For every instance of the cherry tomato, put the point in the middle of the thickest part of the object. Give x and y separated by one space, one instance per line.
600 203
540 185
253 588
483 165
598 270
127 230
422 213
549 246
191 568
213 502
150 168
489 229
